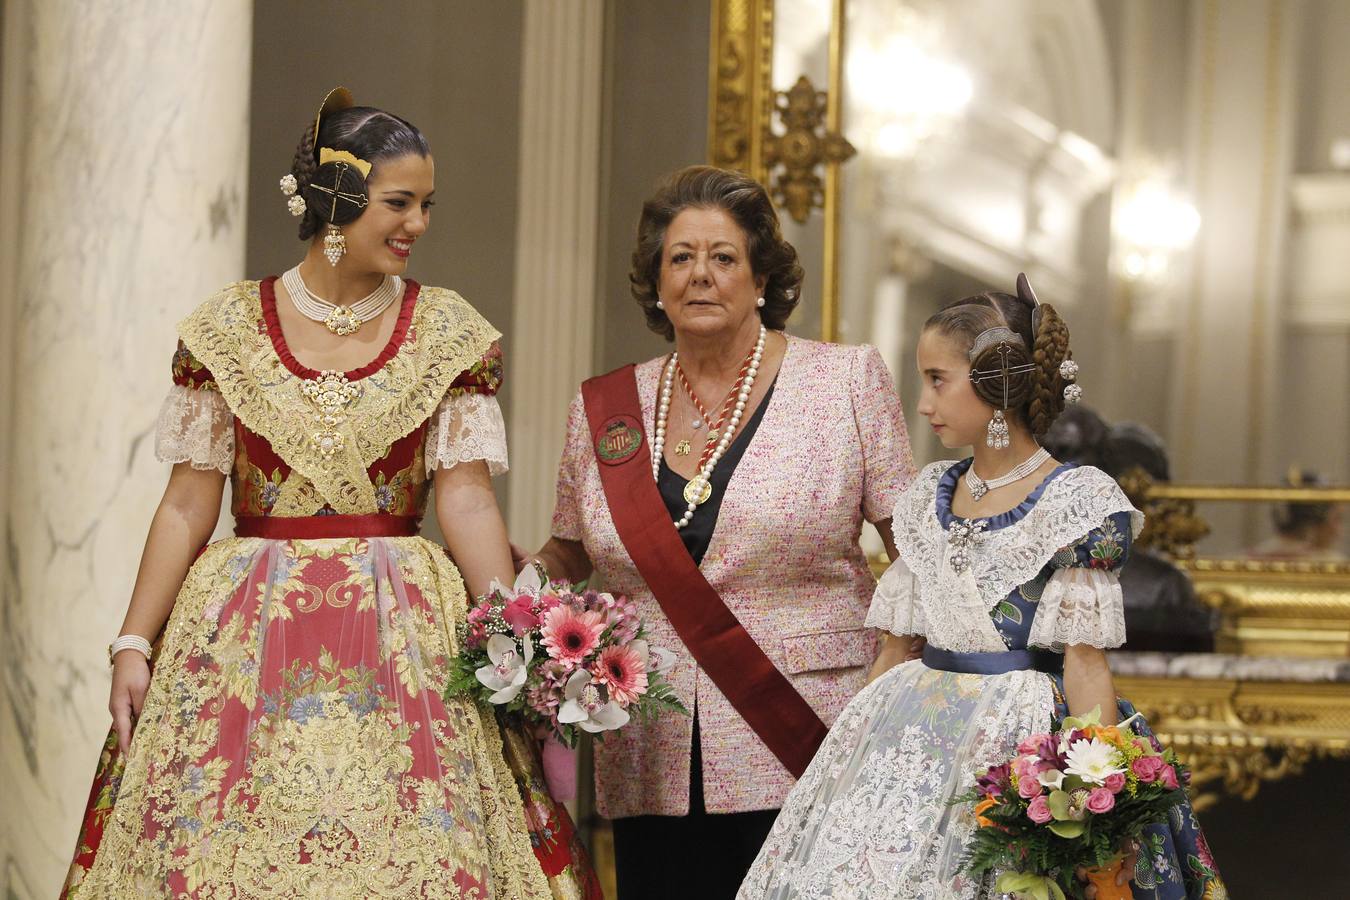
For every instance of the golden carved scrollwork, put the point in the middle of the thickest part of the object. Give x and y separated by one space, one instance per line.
802 148
740 96
1237 735
1171 526
1276 607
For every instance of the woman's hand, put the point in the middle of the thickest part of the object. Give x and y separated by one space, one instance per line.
520 558
895 649
130 679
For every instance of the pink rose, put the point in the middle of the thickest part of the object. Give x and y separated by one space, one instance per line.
1147 768
1025 766
1115 782
1169 778
517 614
1028 747
1039 811
1101 800
1028 787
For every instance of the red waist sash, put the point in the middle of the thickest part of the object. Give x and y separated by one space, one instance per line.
302 528
762 695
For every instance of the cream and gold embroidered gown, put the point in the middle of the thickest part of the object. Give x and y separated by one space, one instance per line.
294 742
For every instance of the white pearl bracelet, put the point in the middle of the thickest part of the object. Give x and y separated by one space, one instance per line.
129 642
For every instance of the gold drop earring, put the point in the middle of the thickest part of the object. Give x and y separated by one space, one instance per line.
334 244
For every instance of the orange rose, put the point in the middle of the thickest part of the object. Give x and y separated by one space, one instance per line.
1108 733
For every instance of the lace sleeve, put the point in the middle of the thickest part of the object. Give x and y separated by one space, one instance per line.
195 426
466 426
1080 606
895 605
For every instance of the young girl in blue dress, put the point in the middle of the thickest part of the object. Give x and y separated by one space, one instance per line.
1008 579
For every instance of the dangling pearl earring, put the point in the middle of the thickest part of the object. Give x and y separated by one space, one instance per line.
996 436
660 304
334 244
760 302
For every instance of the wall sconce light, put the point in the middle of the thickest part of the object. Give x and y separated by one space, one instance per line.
1151 223
906 90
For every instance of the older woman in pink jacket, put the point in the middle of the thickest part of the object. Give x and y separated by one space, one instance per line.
723 488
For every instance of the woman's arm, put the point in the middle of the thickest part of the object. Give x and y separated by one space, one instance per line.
565 560
466 509
1087 682
186 516
883 528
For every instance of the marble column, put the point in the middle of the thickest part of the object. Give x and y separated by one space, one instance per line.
125 137
551 349
1242 118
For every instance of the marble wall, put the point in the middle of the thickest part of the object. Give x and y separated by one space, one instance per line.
125 129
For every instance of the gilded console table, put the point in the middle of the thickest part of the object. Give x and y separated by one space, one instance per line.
1240 721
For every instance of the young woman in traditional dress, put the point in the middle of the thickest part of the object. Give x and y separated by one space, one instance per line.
292 740
1008 567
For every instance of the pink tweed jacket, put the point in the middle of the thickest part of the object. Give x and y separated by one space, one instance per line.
830 450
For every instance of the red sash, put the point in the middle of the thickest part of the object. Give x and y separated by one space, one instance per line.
759 692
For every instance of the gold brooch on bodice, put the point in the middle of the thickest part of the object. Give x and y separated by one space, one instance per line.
331 393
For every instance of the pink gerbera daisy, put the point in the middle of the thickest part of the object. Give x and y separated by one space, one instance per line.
623 671
569 636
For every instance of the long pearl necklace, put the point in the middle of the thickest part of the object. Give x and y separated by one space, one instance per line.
978 487
341 320
699 489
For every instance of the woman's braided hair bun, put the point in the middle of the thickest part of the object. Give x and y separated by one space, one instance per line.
303 167
1050 348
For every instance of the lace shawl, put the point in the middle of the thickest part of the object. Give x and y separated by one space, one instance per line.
953 608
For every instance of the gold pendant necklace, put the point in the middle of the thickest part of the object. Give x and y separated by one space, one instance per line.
682 448
342 321
693 495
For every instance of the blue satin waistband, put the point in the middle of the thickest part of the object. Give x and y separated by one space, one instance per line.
993 663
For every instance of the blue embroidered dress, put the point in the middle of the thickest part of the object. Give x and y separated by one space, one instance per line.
871 817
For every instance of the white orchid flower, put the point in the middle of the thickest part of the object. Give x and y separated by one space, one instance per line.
527 583
506 674
655 659
586 706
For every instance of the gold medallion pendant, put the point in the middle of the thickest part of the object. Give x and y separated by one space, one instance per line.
342 321
682 448
693 495
331 393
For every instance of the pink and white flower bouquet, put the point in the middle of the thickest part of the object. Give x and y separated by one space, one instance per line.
1067 800
566 660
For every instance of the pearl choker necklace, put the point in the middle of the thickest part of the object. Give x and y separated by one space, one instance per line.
341 320
978 487
699 489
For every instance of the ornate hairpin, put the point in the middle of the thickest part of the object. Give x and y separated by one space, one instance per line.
1068 371
991 336
289 187
1002 340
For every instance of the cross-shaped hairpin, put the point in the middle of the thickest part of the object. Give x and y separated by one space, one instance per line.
357 200
1004 370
